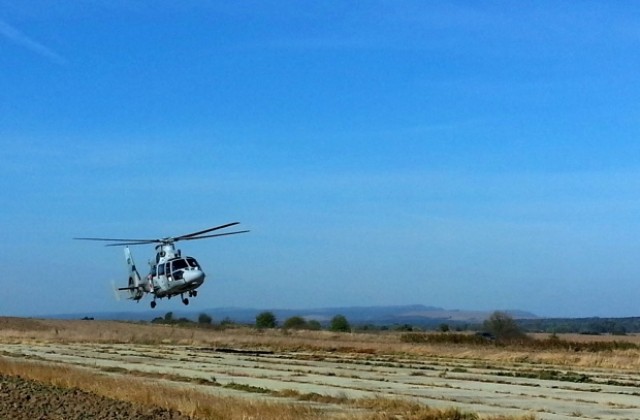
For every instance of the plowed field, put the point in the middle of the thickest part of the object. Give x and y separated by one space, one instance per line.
22 399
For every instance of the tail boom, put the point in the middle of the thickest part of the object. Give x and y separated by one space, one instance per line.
136 285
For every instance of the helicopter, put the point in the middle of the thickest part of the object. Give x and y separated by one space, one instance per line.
170 274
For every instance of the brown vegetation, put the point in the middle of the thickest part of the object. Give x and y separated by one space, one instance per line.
154 393
200 405
571 350
149 390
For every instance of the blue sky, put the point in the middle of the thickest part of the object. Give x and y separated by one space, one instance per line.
467 155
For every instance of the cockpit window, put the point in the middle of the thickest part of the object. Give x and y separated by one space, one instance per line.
178 264
192 262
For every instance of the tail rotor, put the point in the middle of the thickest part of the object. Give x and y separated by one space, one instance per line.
116 293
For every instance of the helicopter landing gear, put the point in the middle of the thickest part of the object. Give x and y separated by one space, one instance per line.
185 301
153 304
193 293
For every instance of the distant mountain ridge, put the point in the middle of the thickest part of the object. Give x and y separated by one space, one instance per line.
375 315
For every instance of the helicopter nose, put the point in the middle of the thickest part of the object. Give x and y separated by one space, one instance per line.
193 276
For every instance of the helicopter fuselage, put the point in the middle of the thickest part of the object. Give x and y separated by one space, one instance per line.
170 274
174 276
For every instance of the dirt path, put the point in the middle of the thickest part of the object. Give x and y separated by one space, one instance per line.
472 385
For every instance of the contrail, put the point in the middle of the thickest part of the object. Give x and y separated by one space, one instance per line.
18 38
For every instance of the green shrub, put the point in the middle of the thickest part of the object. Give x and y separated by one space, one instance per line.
339 324
295 323
503 327
204 319
266 319
314 325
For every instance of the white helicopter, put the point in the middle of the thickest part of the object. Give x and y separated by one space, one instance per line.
170 274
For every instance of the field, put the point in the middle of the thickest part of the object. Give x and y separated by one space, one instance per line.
177 372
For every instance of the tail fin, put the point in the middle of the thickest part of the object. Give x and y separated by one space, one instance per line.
136 286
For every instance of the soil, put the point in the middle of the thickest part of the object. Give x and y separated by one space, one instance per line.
21 399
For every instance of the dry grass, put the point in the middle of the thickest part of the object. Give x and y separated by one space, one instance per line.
19 330
386 408
126 388
200 405
589 338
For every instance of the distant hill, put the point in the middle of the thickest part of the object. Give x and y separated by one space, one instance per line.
418 315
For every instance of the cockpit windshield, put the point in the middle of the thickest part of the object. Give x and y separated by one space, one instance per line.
178 264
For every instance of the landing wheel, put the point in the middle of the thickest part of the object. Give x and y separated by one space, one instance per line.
185 301
194 293
153 304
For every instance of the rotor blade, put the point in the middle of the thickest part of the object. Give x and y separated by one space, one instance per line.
116 239
214 235
191 235
150 241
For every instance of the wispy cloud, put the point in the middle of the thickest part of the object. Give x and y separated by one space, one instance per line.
14 35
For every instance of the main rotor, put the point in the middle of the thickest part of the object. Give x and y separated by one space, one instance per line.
168 240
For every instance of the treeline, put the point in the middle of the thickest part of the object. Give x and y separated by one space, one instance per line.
551 343
587 326
267 319
500 329
203 320
339 323
264 320
595 326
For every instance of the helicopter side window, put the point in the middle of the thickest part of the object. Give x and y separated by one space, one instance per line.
177 268
161 270
193 263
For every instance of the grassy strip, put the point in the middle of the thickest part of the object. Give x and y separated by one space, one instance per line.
414 411
551 343
549 375
201 405
190 402
605 352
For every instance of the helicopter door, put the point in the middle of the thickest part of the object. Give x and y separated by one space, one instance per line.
160 270
177 268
